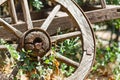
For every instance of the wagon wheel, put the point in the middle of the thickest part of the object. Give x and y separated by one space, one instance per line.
37 39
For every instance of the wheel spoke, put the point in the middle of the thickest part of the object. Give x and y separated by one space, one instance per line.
15 70
103 3
67 60
27 14
13 11
50 17
65 36
10 28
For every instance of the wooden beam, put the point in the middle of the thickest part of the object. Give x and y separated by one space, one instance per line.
100 15
62 22
108 13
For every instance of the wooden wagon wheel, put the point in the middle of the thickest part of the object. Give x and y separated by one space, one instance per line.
42 40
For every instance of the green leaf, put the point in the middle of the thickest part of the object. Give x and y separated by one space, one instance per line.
13 52
34 76
52 57
47 61
37 4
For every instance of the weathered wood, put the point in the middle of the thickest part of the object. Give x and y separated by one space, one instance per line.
59 22
10 28
27 14
67 60
49 19
35 15
81 21
65 36
103 3
12 11
100 15
15 70
111 12
108 13
2 1
87 37
83 67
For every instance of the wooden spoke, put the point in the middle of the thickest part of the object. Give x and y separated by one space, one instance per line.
15 70
13 11
103 3
78 18
2 1
26 13
50 17
65 36
67 60
10 28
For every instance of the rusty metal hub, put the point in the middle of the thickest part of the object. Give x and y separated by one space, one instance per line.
36 40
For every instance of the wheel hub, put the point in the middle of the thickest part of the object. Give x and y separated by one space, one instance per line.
36 40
